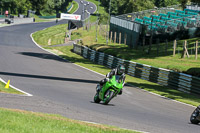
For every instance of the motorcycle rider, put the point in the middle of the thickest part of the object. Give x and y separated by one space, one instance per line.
120 71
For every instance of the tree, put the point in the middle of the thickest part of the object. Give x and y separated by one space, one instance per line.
184 3
164 3
38 5
196 1
22 6
127 6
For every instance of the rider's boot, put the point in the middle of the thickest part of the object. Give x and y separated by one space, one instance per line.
98 88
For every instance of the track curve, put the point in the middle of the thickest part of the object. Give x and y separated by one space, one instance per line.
67 89
89 6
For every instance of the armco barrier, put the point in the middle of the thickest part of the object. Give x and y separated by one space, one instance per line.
22 20
165 77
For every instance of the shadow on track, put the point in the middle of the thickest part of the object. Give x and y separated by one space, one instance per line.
103 104
44 56
48 77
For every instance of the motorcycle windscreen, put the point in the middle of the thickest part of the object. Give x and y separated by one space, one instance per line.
118 79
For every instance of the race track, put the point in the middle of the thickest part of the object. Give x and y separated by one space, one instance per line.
64 88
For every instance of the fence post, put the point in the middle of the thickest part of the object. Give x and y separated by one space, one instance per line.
185 51
196 53
120 35
115 37
174 52
105 33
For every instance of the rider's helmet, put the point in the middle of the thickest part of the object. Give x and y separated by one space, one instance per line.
120 69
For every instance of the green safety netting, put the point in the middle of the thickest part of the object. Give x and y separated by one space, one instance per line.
47 17
165 22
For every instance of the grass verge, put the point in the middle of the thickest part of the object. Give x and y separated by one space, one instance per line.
8 90
74 8
18 121
51 36
37 19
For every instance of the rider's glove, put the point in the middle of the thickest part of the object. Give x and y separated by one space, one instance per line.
107 79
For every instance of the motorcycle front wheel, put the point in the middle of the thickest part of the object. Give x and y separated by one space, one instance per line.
96 98
193 118
109 96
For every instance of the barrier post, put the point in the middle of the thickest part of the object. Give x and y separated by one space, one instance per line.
174 52
196 49
115 37
120 35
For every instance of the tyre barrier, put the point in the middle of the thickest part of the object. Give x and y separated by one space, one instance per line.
165 77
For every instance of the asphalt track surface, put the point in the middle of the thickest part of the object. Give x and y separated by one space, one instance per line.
61 87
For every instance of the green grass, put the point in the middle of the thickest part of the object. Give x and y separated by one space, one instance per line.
8 90
51 36
3 25
93 17
37 19
101 8
74 8
18 121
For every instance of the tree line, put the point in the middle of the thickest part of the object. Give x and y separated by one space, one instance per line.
118 7
42 7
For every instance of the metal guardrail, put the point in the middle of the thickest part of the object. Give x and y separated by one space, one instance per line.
165 77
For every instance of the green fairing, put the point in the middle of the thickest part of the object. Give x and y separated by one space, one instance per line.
111 89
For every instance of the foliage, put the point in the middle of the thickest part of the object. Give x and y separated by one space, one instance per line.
118 7
196 1
184 3
40 6
164 3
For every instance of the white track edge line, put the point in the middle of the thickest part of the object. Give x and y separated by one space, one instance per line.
77 8
118 127
26 94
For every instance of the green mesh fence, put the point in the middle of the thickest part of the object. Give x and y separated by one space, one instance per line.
2 16
163 23
47 17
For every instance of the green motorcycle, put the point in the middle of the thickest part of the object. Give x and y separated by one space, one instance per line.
109 90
